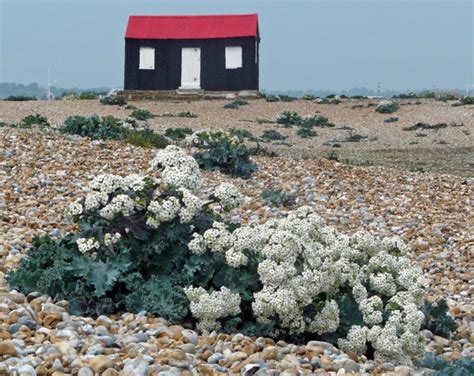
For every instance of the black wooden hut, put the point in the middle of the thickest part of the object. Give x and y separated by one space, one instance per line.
210 53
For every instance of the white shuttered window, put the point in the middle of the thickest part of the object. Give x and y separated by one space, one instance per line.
147 58
233 57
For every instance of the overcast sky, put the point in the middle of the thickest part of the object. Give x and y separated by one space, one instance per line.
305 44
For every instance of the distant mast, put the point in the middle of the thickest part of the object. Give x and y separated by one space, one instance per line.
49 94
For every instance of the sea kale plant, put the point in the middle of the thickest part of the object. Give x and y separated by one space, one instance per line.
223 151
387 107
153 243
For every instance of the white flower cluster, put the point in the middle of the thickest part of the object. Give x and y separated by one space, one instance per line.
208 308
74 209
229 196
178 169
110 239
120 204
302 261
85 246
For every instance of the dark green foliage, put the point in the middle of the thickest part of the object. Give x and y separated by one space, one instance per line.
94 127
141 114
221 152
186 114
130 107
113 100
236 103
20 98
460 367
287 98
354 137
467 100
308 97
437 319
30 120
306 131
278 197
87 95
391 119
289 118
446 97
145 138
111 128
410 95
317 121
272 98
427 126
387 108
273 135
178 133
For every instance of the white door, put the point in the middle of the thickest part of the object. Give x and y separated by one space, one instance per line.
190 68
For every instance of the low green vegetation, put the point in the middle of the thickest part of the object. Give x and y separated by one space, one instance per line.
289 118
387 107
391 119
179 133
20 98
441 367
141 114
224 152
236 104
30 120
272 135
111 128
113 100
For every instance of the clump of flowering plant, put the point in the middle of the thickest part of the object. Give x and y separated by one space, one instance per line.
223 151
153 243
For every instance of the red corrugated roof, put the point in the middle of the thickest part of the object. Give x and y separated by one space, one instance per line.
192 27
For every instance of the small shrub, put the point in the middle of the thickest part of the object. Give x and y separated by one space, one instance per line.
438 320
236 103
87 96
357 106
317 121
20 98
308 97
387 107
178 133
113 100
94 127
446 97
141 114
273 135
30 120
287 98
186 114
426 126
272 98
467 100
305 131
224 152
459 367
289 118
111 128
391 119
145 138
130 107
278 197
410 95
